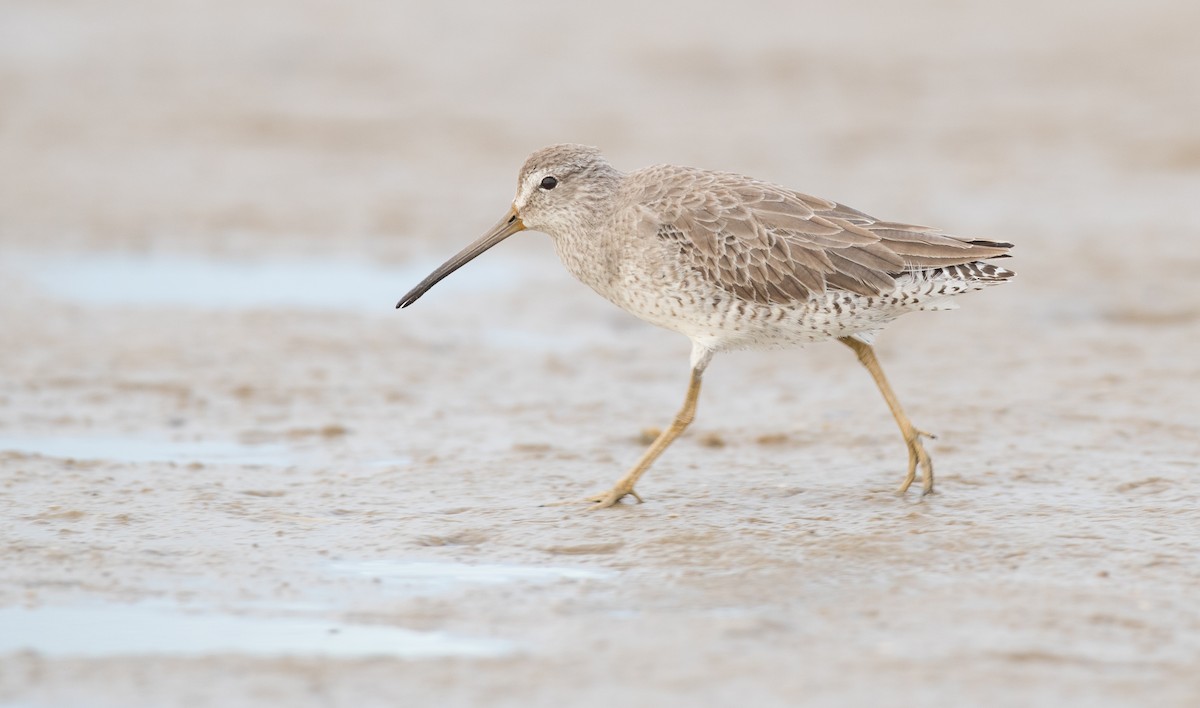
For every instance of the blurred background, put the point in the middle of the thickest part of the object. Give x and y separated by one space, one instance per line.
385 127
208 210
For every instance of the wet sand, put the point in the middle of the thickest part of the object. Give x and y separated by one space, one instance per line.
231 474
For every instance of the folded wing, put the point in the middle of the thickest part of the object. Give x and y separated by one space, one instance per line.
768 244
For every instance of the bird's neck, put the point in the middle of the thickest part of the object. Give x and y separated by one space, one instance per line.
584 241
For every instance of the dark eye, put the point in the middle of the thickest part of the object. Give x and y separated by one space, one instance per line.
549 182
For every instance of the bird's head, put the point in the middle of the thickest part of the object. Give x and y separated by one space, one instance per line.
559 189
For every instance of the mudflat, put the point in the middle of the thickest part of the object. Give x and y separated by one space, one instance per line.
232 474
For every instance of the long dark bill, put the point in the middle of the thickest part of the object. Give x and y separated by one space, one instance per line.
509 225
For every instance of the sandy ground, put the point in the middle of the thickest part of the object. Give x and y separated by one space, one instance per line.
771 563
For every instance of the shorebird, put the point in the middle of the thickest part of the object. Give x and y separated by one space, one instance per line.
734 262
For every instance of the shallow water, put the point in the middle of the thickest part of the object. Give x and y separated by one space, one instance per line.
123 448
143 629
115 278
132 449
424 576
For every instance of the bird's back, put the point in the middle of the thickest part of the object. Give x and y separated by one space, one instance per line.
734 253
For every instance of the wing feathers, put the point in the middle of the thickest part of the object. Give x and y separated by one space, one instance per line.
770 245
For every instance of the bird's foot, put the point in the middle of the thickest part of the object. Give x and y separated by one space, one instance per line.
918 456
604 500
614 495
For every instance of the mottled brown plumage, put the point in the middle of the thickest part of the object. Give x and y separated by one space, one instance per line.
771 245
733 262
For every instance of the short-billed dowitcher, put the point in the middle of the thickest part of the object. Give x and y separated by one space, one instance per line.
734 262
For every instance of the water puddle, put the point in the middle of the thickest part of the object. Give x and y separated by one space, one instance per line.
126 279
123 279
389 462
427 576
131 449
123 630
209 452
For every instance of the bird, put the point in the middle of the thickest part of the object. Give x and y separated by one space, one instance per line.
734 262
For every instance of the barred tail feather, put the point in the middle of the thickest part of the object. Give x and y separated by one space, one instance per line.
975 271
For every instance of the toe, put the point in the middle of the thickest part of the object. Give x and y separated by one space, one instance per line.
612 497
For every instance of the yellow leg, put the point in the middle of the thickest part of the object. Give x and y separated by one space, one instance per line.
912 436
624 486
